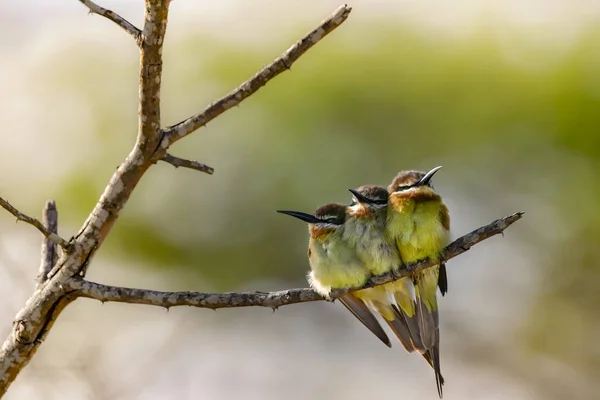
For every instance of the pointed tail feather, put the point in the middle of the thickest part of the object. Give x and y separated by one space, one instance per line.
426 322
398 326
360 310
432 356
403 292
439 379
413 328
433 361
426 312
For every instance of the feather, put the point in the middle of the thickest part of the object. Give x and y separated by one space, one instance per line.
360 310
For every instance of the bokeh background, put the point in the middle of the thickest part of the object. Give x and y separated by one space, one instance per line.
505 95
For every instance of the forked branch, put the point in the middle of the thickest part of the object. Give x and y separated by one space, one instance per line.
274 300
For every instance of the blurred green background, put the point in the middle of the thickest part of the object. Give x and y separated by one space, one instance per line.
510 110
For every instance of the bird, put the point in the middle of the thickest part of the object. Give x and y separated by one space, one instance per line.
419 222
365 230
334 263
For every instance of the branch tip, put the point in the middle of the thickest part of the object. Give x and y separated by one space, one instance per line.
53 237
49 254
127 26
261 78
181 162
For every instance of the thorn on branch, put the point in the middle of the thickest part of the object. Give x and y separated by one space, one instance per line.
180 162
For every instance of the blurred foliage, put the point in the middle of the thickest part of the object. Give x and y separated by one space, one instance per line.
515 123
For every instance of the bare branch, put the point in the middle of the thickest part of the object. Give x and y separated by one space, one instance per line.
180 162
49 254
126 177
246 89
30 327
114 17
153 36
274 300
53 237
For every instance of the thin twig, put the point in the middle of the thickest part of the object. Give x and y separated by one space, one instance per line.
246 89
32 221
114 17
49 253
181 162
274 300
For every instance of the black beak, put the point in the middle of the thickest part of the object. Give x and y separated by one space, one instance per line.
360 197
425 180
311 219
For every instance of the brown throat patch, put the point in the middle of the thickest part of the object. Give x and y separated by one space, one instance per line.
421 195
320 232
360 212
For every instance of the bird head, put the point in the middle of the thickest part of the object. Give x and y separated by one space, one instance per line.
413 184
326 219
367 199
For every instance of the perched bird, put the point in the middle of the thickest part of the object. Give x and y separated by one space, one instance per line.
335 264
419 223
365 230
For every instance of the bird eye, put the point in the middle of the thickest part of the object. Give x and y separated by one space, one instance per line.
326 219
403 187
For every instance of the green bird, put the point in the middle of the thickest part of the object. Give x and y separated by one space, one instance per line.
365 230
419 222
334 263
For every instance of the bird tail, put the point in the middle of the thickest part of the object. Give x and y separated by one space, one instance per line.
401 330
439 379
360 310
430 355
426 309
378 300
428 319
403 292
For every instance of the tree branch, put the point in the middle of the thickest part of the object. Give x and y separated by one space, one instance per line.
180 162
44 306
53 237
49 253
114 17
274 300
33 321
126 177
246 89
